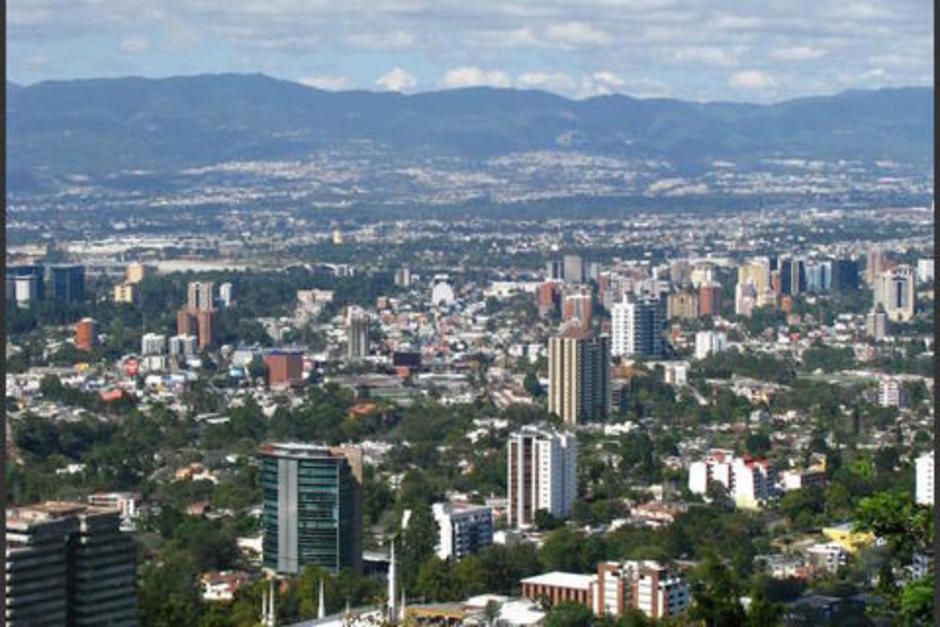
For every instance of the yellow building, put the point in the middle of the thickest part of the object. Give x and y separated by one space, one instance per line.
850 541
137 271
125 293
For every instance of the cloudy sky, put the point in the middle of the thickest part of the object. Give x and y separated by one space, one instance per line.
758 51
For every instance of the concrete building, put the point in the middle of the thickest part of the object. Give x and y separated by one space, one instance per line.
199 295
578 307
748 481
925 270
549 297
895 291
136 272
558 587
25 290
636 328
69 564
86 334
709 342
578 376
646 585
65 283
745 299
225 294
463 530
574 269
891 393
682 305
874 264
126 293
152 344
541 474
876 323
183 345
312 507
924 471
285 368
357 335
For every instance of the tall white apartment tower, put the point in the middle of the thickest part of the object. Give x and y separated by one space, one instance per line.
924 479
636 328
542 473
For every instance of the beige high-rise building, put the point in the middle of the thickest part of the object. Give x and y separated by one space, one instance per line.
757 273
895 291
200 295
137 271
125 293
578 376
874 264
683 305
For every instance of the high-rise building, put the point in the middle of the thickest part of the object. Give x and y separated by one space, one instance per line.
403 277
37 271
891 393
844 275
186 323
183 345
755 272
25 290
69 564
792 276
225 294
126 293
206 320
682 305
709 299
680 271
65 283
578 376
199 295
925 270
578 307
924 471
549 297
152 344
709 342
818 276
874 264
136 272
574 269
312 498
745 299
86 336
876 323
895 290
636 328
285 368
357 335
748 481
555 270
542 474
463 530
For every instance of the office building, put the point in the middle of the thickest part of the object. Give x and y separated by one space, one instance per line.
69 564
126 293
312 499
876 323
573 269
756 272
709 342
65 283
463 530
818 276
709 299
152 344
895 291
844 275
549 297
86 335
924 470
555 270
680 271
745 299
199 295
682 305
285 368
25 290
37 271
875 264
542 474
357 335
225 294
578 376
925 270
646 585
792 276
636 328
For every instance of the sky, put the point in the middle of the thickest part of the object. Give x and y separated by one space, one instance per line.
761 51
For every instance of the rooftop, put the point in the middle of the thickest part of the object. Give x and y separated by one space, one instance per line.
560 579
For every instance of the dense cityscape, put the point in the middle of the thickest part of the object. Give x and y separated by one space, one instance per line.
670 418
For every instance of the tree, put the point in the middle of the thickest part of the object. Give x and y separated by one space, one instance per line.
532 385
893 515
544 521
715 596
568 614
763 612
917 601
169 592
435 580
491 611
418 542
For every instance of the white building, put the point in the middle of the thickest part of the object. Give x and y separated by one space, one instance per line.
896 292
184 345
442 295
925 269
676 372
25 290
924 479
745 299
463 530
749 482
542 474
636 328
828 556
225 294
152 344
890 393
708 342
128 503
644 585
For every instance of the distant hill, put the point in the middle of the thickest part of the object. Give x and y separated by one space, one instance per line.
100 125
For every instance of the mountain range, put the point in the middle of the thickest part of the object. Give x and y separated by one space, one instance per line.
97 126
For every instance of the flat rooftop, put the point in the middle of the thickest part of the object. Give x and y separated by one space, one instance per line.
558 579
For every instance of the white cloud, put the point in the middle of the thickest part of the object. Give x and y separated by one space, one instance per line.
134 45
797 53
750 79
729 21
474 76
395 40
577 34
557 81
706 55
323 81
398 79
600 83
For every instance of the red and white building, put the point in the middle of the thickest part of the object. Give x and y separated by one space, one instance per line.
749 481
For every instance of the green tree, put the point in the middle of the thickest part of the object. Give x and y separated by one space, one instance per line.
418 542
436 581
568 614
917 601
715 596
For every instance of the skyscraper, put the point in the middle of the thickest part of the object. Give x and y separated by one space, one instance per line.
357 335
844 275
312 507
636 327
69 564
578 307
542 474
65 284
555 270
574 269
895 291
200 295
578 376
874 264
876 323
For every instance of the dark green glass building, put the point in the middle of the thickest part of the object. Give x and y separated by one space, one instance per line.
312 507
